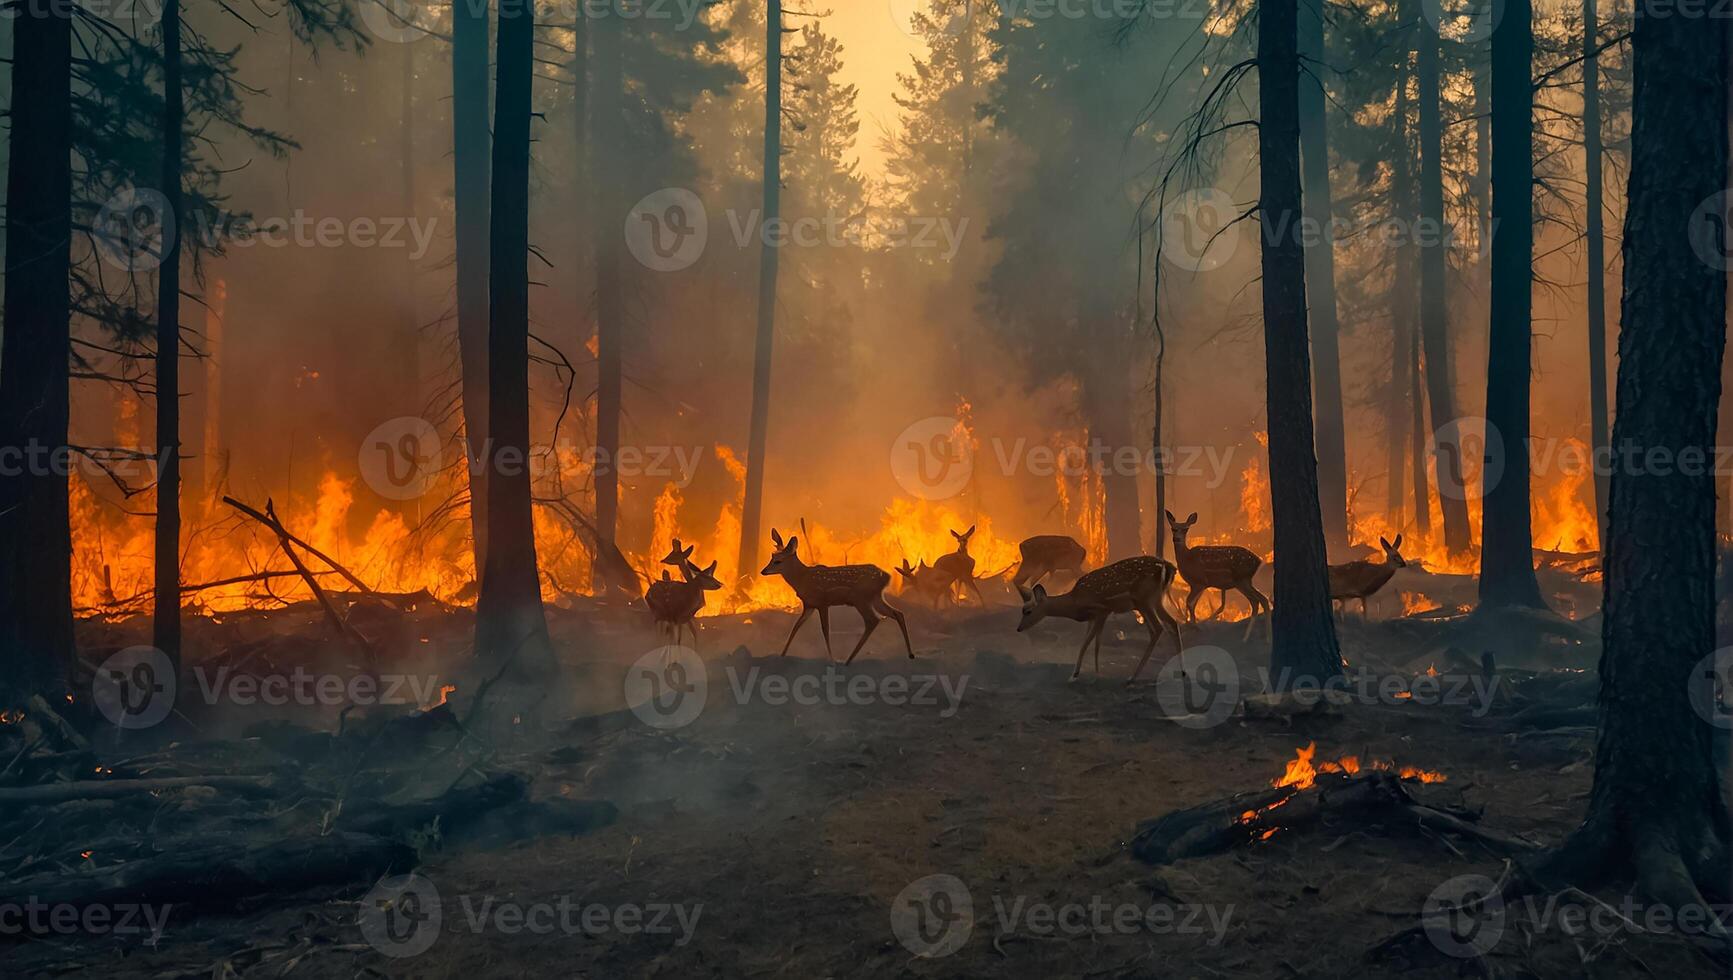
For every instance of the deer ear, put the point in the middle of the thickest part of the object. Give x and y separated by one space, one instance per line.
1385 543
711 570
1170 518
1040 594
1398 542
1192 519
776 538
665 575
792 541
686 552
970 532
1022 592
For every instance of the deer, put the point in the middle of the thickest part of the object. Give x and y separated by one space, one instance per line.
821 587
959 567
1360 579
675 603
1133 584
926 582
1220 567
1044 554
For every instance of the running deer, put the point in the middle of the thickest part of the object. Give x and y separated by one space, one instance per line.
1044 554
959 567
676 603
925 582
1360 579
1133 584
822 586
1221 567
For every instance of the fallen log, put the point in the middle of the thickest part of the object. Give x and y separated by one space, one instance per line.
285 541
108 789
1378 796
216 870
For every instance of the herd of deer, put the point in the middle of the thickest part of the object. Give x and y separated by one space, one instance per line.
1137 584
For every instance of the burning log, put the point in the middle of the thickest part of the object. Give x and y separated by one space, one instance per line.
1306 796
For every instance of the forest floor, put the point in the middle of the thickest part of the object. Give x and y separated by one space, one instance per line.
783 832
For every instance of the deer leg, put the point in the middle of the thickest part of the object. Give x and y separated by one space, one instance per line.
797 625
1097 646
978 596
1150 621
871 622
1094 631
1191 599
824 627
894 613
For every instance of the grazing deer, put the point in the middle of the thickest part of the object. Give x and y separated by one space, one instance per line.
959 567
676 603
1044 554
1360 579
1138 584
1221 567
925 582
822 586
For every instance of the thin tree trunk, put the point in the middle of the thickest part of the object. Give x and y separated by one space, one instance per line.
1158 444
608 169
1332 439
166 606
1303 650
1108 395
1417 438
1433 244
470 146
1507 539
1403 391
411 342
35 532
1595 234
767 265
509 616
1656 810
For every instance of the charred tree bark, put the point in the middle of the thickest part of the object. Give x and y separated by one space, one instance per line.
1332 439
471 140
753 504
1506 537
1417 438
35 532
1303 650
411 367
1434 239
166 606
508 615
1594 232
1108 394
607 168
1657 810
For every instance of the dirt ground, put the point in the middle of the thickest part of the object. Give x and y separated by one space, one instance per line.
774 835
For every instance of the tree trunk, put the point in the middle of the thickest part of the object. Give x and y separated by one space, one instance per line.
1595 234
1417 438
1433 241
35 532
509 615
1332 440
469 159
1108 396
166 604
406 155
1656 810
1303 651
608 170
1506 537
1401 299
767 263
